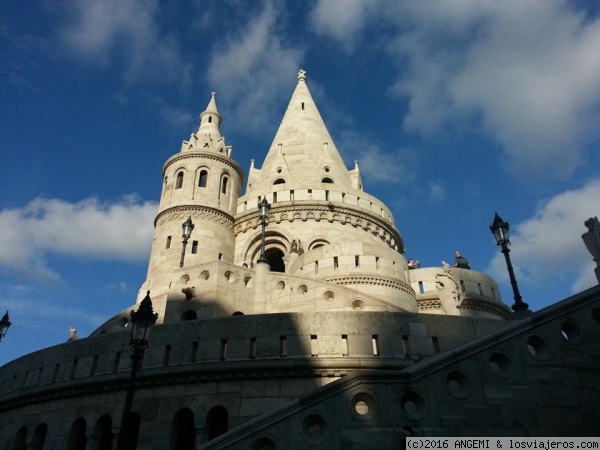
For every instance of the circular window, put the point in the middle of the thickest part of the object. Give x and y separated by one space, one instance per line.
184 279
230 276
500 364
537 347
328 296
571 332
280 286
279 169
123 322
264 443
248 281
204 275
358 305
458 384
314 428
302 289
413 405
327 169
364 406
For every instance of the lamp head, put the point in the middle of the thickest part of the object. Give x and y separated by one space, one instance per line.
187 227
264 207
500 230
140 321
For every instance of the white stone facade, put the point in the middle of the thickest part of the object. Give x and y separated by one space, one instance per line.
335 343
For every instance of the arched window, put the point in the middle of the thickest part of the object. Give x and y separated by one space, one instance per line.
216 422
189 315
327 180
179 181
183 432
275 258
224 185
279 181
203 178
77 438
103 433
21 439
209 119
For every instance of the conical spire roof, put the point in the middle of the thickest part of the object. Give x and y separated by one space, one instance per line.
302 152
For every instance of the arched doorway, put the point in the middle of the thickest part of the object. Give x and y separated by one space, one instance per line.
21 439
183 432
216 422
77 438
39 436
275 258
103 433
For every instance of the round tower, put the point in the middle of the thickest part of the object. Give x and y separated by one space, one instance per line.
201 182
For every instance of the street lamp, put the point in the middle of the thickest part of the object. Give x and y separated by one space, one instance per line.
500 230
140 322
591 239
4 325
263 209
187 227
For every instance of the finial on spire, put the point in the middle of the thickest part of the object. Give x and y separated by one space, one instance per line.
302 75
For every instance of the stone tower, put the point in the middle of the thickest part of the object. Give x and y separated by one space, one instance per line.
201 182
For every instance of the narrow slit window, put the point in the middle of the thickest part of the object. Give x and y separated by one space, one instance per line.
326 195
168 242
252 347
406 346
302 106
316 267
480 290
292 195
167 355
209 119
202 180
274 197
55 374
179 182
314 348
194 247
220 256
116 361
436 344
224 185
194 354
223 353
375 344
462 285
94 365
335 262
283 346
356 261
74 368
421 288
377 262
345 345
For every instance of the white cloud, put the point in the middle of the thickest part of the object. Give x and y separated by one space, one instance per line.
548 247
342 23
436 192
101 32
253 70
527 73
88 229
375 163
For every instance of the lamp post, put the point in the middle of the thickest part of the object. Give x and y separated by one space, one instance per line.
500 230
263 208
591 239
4 325
187 227
140 321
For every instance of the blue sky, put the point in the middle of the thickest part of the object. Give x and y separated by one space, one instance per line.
455 110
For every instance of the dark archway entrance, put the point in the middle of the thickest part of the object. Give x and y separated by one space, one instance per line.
275 258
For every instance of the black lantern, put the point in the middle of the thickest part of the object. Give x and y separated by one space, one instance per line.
187 228
140 322
263 211
499 228
4 325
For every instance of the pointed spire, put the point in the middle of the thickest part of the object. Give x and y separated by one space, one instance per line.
303 151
